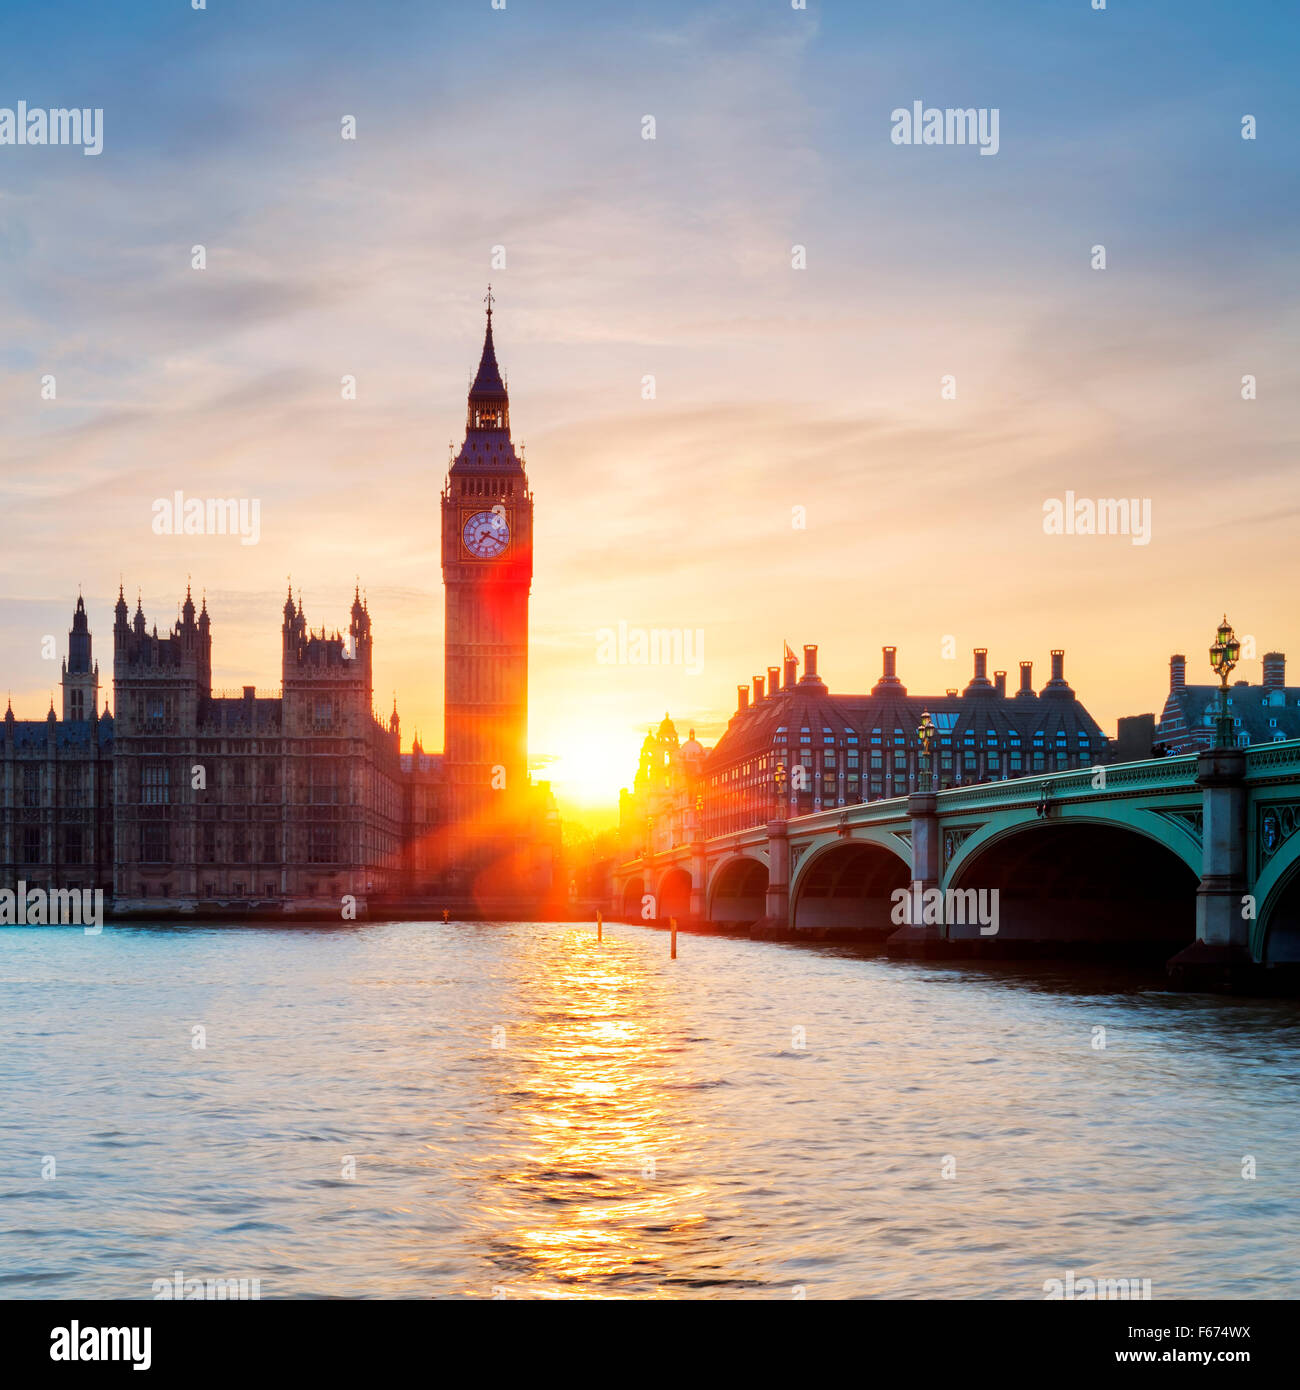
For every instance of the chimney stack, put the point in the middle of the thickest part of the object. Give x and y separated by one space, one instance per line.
742 695
1058 684
791 671
980 679
889 673
1026 691
758 689
773 680
1178 672
1274 670
1000 684
809 660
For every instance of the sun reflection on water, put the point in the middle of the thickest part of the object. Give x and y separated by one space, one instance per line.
597 1126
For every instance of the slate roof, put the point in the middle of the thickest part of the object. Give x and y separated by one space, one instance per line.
1260 714
488 381
70 735
753 731
231 713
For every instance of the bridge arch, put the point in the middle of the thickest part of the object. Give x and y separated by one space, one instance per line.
846 884
674 896
738 890
1275 932
633 892
1118 881
1141 822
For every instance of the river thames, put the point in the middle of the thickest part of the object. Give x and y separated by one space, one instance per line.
421 1110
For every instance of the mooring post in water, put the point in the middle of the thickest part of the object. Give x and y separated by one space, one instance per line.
672 925
600 926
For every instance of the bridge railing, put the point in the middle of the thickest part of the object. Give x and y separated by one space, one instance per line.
1264 762
1149 773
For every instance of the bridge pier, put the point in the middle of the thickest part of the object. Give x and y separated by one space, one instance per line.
776 903
1220 957
915 938
699 867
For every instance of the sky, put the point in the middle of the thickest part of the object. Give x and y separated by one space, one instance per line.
800 473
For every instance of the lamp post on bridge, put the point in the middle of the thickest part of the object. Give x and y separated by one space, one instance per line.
778 783
1221 952
1223 660
916 938
925 735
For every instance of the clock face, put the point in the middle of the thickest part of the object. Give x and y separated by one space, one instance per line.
486 534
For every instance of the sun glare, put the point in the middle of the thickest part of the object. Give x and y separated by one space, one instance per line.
591 765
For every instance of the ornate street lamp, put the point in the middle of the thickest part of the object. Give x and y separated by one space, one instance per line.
649 838
1223 660
925 734
778 781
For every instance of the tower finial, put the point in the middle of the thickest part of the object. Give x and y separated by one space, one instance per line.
489 298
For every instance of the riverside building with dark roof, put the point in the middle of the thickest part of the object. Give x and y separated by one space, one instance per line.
1264 713
839 750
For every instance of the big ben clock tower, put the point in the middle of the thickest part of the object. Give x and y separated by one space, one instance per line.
487 571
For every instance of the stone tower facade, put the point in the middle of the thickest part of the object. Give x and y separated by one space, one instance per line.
487 567
80 674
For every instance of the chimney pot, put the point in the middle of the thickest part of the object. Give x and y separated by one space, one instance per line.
742 695
791 671
809 659
1274 670
891 658
1000 682
758 689
1058 664
1026 678
773 680
1177 672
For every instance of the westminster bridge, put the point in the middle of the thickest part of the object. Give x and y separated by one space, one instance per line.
1198 854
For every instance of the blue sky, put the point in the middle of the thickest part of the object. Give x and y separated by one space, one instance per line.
625 257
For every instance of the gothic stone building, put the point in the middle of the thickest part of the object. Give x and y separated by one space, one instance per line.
56 783
247 801
198 800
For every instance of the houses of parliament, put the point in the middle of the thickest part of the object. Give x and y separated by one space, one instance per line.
185 799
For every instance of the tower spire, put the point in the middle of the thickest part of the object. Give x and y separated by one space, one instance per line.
489 406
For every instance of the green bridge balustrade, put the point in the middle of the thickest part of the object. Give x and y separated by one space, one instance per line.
1197 854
